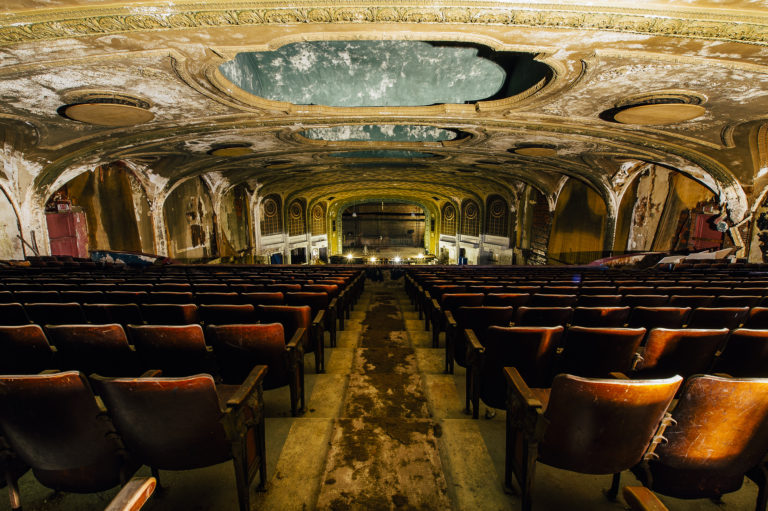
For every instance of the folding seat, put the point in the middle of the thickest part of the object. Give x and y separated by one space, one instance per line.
736 301
176 350
55 313
82 297
179 423
432 297
598 290
558 290
211 298
506 299
264 298
13 314
745 354
598 352
600 316
106 313
691 301
717 317
521 289
137 297
745 290
550 300
640 498
172 287
477 319
239 348
334 292
638 290
599 301
169 313
170 297
53 423
658 317
24 349
90 349
711 290
137 286
7 297
283 288
450 302
584 425
242 314
323 314
679 351
485 289
246 287
209 287
757 318
98 286
37 296
133 495
543 316
719 432
531 350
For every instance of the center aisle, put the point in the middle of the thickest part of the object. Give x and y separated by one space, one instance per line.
384 450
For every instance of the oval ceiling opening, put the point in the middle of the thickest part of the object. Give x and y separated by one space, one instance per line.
384 73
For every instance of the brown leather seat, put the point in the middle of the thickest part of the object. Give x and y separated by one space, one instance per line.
55 313
13 314
323 312
217 298
264 298
737 301
649 300
658 317
597 352
717 317
171 297
600 316
590 426
170 313
187 423
720 432
757 318
283 288
450 302
94 348
691 301
177 350
745 354
293 318
38 296
685 352
82 297
137 297
432 296
543 316
531 350
238 348
24 349
477 319
506 299
599 301
53 424
553 300
242 314
105 313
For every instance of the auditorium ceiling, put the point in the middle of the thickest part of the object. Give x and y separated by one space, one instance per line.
388 99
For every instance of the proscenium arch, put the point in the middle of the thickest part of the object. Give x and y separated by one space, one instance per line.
338 207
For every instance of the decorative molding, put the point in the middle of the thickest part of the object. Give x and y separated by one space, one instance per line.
689 23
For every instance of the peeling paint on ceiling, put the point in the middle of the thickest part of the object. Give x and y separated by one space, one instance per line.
383 154
380 133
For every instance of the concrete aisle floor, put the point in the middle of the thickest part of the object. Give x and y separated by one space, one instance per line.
471 452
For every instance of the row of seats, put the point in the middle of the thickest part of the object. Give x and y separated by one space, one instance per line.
54 424
701 448
227 352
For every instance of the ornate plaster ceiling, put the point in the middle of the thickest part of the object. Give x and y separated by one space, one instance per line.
600 56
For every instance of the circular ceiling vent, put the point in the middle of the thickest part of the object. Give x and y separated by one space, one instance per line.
104 108
231 150
535 150
657 108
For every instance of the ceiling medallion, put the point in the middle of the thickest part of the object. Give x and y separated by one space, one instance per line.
657 108
104 108
535 150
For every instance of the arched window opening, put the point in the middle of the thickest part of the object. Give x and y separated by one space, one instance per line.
270 216
470 219
498 217
448 223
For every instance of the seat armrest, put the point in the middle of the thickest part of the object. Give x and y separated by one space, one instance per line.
640 498
332 304
133 495
519 389
151 373
295 342
435 306
319 319
450 321
252 383
618 376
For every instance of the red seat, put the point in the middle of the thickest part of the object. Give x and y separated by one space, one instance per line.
177 350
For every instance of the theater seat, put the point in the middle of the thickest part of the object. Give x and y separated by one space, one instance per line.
177 350
94 348
53 424
188 423
584 425
24 349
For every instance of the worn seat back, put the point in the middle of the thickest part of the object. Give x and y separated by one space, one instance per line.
745 354
54 424
680 351
13 314
24 349
721 432
55 313
479 320
292 317
499 299
597 352
170 313
717 317
177 350
94 348
238 348
105 313
600 316
553 300
242 314
543 316
658 317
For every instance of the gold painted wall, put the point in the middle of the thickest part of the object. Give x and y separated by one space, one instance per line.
578 225
684 194
189 222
